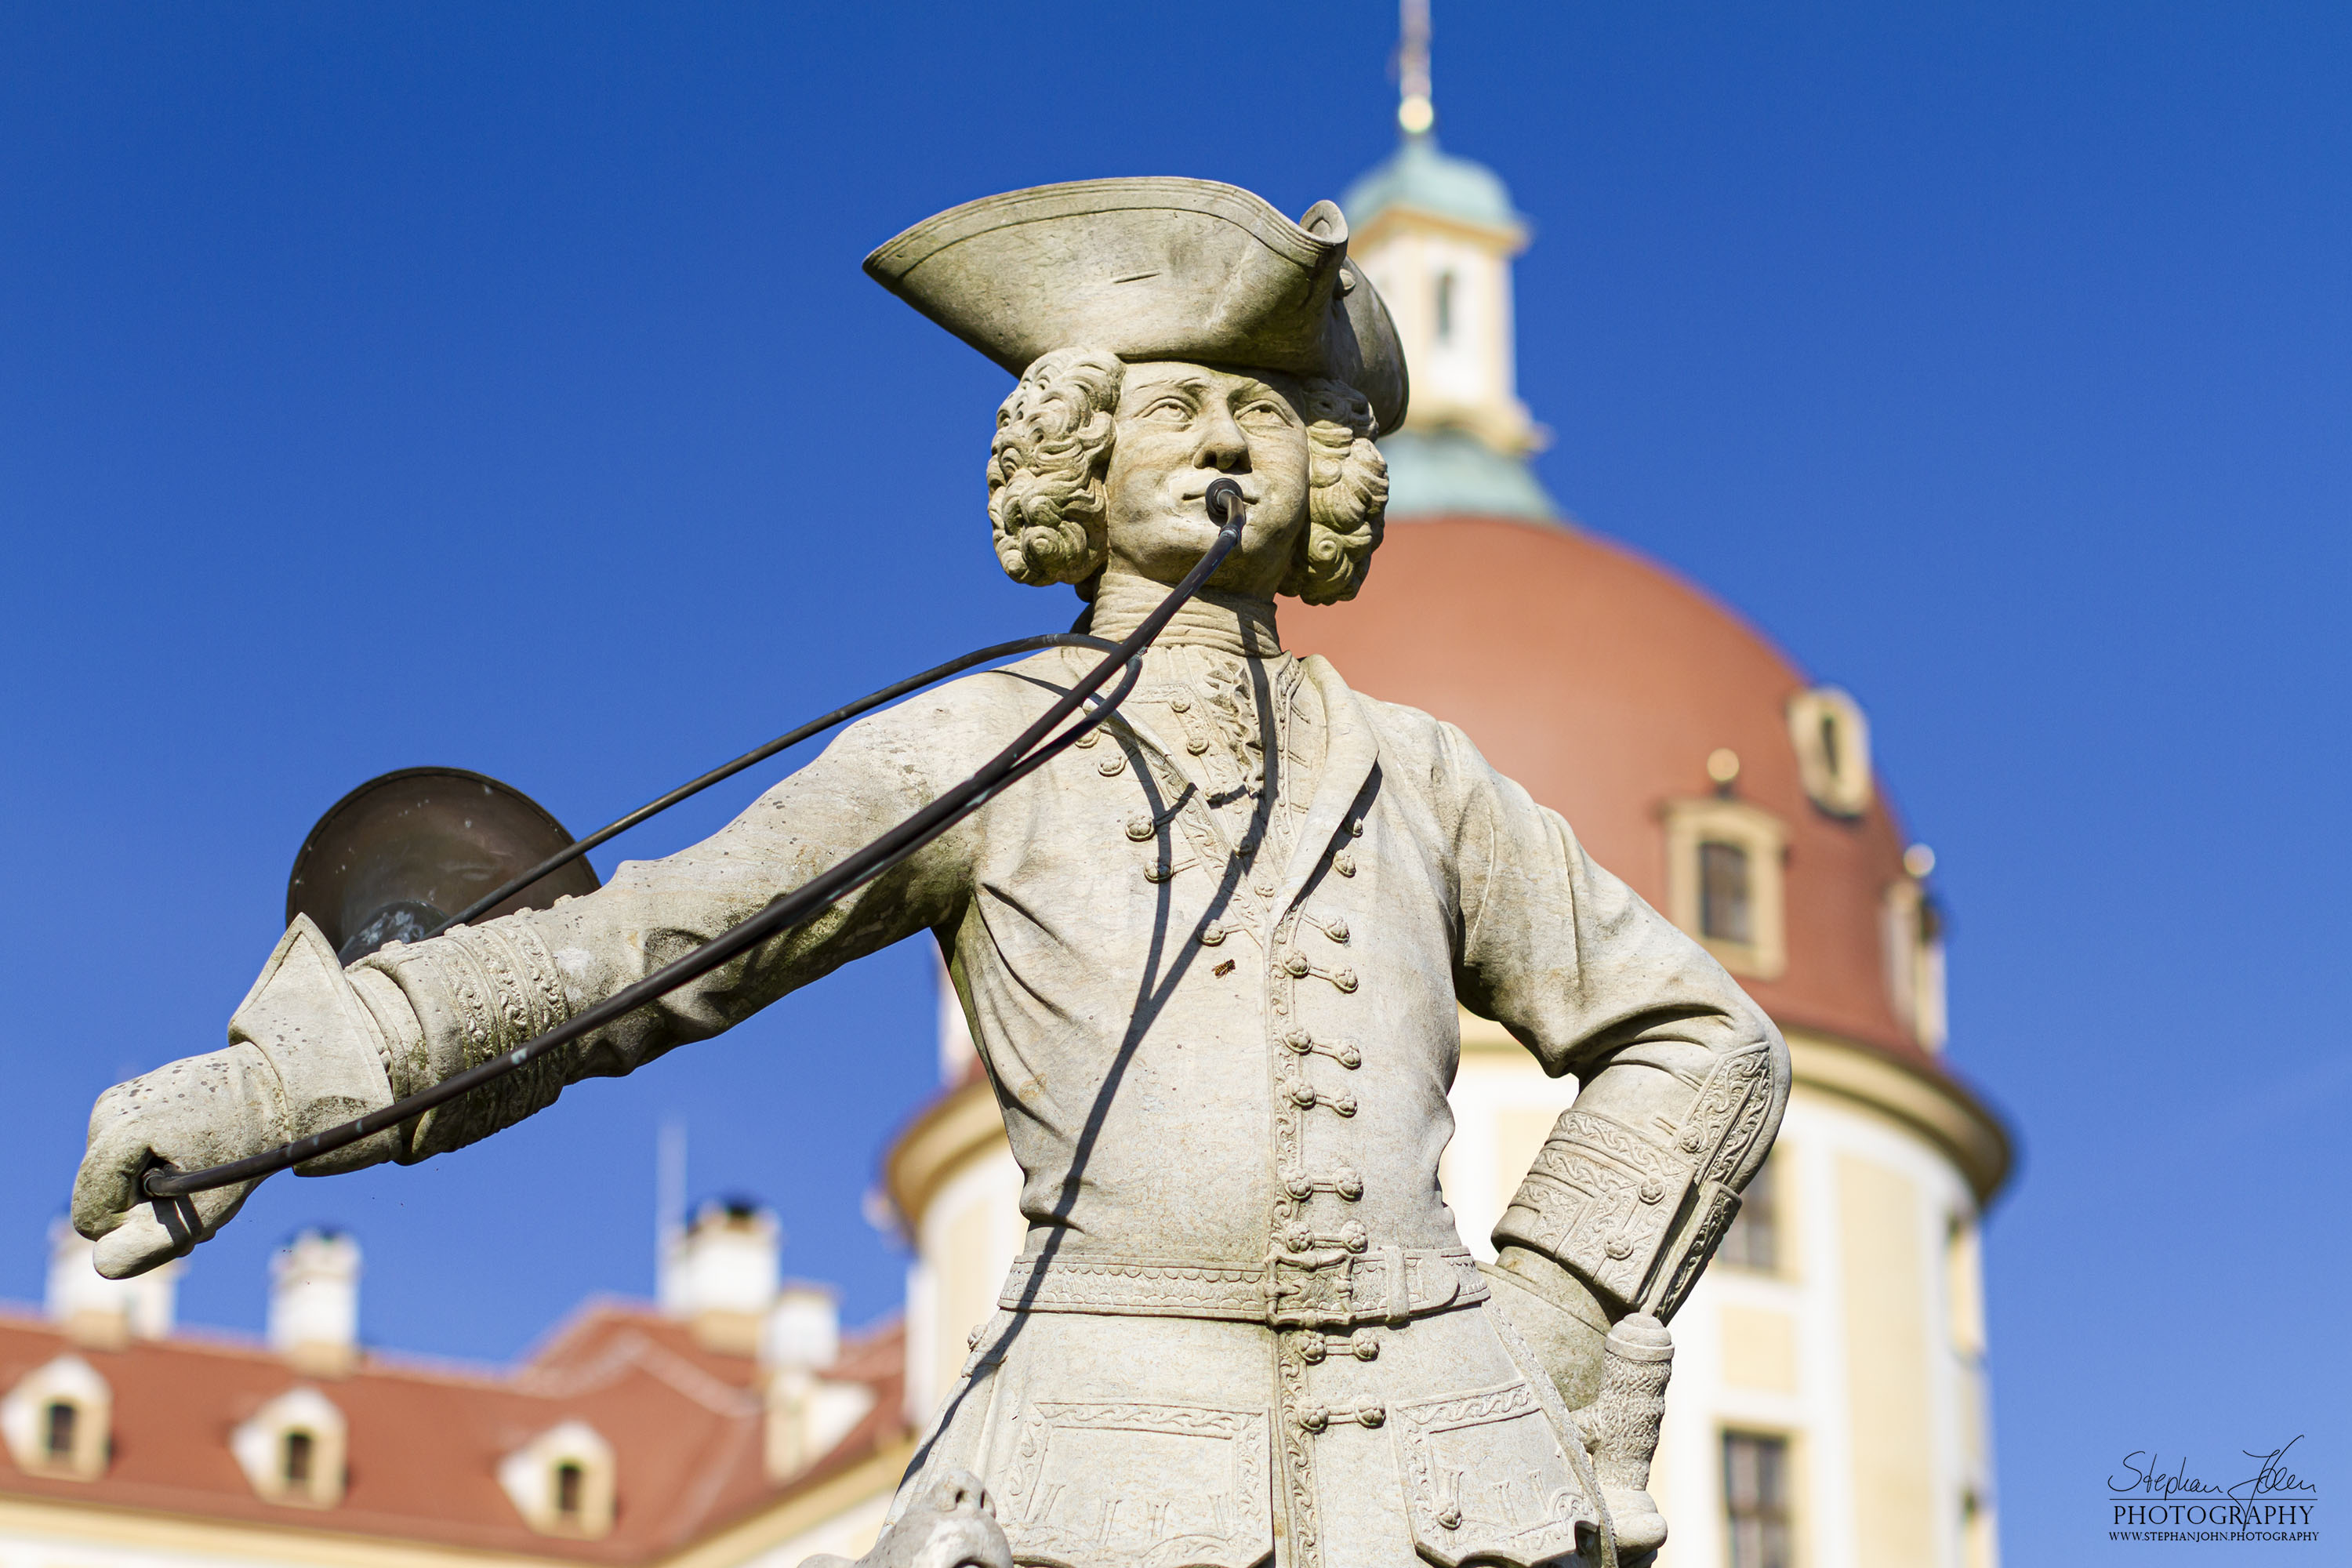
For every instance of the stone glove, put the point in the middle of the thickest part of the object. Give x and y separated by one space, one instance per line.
306 1052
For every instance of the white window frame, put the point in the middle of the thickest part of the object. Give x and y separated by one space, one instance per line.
24 1417
1837 779
1714 819
528 1476
259 1444
1914 964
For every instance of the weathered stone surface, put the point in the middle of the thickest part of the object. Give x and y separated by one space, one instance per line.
1212 956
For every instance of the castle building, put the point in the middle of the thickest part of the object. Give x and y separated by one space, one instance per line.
1829 1405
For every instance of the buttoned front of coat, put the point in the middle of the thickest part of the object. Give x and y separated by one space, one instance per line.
1245 1322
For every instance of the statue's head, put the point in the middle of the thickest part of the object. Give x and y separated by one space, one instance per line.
1102 465
1166 332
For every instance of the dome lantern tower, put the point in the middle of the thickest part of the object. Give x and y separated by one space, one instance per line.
1436 235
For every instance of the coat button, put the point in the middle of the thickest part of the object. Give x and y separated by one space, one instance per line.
1088 739
1295 966
1337 930
1111 766
1344 863
1211 934
1345 1105
1357 827
1345 980
1139 828
1299 1040
1348 1185
1365 1344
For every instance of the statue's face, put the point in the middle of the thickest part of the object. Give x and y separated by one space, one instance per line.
1179 426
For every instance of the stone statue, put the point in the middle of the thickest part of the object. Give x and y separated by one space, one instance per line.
1212 957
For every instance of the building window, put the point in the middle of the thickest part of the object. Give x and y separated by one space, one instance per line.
300 1449
1445 307
1724 881
57 1420
1723 908
560 1482
568 1480
292 1449
1756 1499
1915 962
1832 742
1753 1239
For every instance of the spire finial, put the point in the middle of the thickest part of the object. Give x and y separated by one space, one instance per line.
1414 113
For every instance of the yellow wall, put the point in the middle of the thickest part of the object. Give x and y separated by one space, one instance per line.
1886 1366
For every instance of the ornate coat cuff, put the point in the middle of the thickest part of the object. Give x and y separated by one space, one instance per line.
475 992
321 1044
1634 1216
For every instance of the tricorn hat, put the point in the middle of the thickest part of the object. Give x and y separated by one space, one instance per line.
1151 268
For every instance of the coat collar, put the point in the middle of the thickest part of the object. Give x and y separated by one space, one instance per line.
1350 751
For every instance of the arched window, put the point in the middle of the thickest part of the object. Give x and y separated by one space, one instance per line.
1832 742
58 1420
291 1449
1445 287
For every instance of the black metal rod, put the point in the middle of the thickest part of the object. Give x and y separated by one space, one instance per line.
1027 753
867 704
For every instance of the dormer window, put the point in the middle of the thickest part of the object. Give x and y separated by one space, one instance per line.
1915 958
1725 912
57 1420
570 1489
1724 881
561 1482
300 1449
292 1450
1832 742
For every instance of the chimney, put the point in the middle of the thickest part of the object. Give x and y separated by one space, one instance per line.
102 1313
809 1414
314 1303
802 1333
720 1275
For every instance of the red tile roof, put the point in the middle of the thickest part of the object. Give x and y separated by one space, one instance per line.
687 1427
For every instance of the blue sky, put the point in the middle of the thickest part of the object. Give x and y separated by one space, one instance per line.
495 385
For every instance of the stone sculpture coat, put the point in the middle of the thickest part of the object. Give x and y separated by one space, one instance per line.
1212 958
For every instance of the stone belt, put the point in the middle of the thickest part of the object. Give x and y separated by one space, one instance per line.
1380 1284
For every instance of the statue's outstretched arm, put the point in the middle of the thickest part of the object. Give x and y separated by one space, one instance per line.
315 1043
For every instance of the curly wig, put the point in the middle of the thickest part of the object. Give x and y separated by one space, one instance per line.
1051 451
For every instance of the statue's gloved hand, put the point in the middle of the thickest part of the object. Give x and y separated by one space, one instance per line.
305 1054
198 1111
1561 1319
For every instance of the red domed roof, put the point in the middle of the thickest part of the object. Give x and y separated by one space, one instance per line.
1601 681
